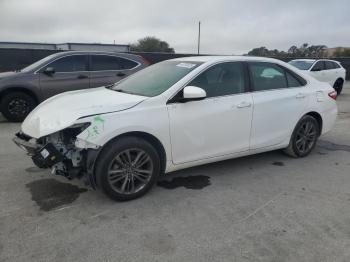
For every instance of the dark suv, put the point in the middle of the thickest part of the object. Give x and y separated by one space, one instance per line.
21 91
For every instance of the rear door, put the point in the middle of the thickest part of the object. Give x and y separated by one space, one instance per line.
109 69
318 71
279 99
70 74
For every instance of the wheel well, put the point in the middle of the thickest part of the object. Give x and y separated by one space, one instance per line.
341 79
18 89
153 141
318 118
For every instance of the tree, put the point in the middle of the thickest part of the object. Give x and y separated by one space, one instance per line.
259 51
303 51
293 50
151 44
316 51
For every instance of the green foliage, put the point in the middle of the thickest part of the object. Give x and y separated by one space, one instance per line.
303 51
151 44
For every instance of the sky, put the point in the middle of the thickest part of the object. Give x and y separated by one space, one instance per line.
228 26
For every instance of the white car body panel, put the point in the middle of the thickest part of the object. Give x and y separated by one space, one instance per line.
282 109
211 127
191 133
63 110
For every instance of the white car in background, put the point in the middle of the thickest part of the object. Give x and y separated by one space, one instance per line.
177 114
323 70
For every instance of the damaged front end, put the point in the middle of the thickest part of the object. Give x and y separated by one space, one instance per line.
59 152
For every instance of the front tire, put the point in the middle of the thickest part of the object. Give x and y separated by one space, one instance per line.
304 137
16 106
127 168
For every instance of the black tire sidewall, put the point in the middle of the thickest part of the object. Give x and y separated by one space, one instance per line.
293 141
11 96
108 154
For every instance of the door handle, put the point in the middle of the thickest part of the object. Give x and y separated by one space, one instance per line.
121 74
244 104
82 77
300 95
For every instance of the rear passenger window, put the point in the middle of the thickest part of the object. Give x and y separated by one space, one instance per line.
319 66
329 65
126 63
222 79
335 65
292 81
267 76
104 62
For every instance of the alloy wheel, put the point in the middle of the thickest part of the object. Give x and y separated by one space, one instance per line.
130 171
306 137
18 107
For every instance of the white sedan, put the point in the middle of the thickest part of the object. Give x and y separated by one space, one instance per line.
323 70
177 114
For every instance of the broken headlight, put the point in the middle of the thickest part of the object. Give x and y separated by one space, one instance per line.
74 130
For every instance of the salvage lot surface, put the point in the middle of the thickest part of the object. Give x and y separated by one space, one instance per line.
266 207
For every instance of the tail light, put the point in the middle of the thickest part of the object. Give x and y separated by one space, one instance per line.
333 95
144 60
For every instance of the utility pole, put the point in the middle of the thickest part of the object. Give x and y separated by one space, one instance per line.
199 35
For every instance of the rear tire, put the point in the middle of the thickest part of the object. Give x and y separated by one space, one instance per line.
16 106
127 168
304 137
338 86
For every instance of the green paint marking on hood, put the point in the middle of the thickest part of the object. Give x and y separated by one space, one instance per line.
96 128
98 119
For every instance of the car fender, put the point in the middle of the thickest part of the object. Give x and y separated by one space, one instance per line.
105 127
30 89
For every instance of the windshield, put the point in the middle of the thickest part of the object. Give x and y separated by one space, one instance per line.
301 64
38 63
155 79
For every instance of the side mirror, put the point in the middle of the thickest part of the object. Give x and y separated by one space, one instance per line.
191 93
49 71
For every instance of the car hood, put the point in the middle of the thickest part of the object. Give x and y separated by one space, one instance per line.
61 111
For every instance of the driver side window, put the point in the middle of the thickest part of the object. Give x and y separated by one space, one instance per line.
222 79
73 63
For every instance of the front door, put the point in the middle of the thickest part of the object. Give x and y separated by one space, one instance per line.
70 73
219 124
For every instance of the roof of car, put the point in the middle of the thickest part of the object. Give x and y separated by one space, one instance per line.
313 60
305 59
223 58
86 52
124 55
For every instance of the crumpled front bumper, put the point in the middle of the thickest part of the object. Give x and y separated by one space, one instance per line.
46 156
43 156
23 142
